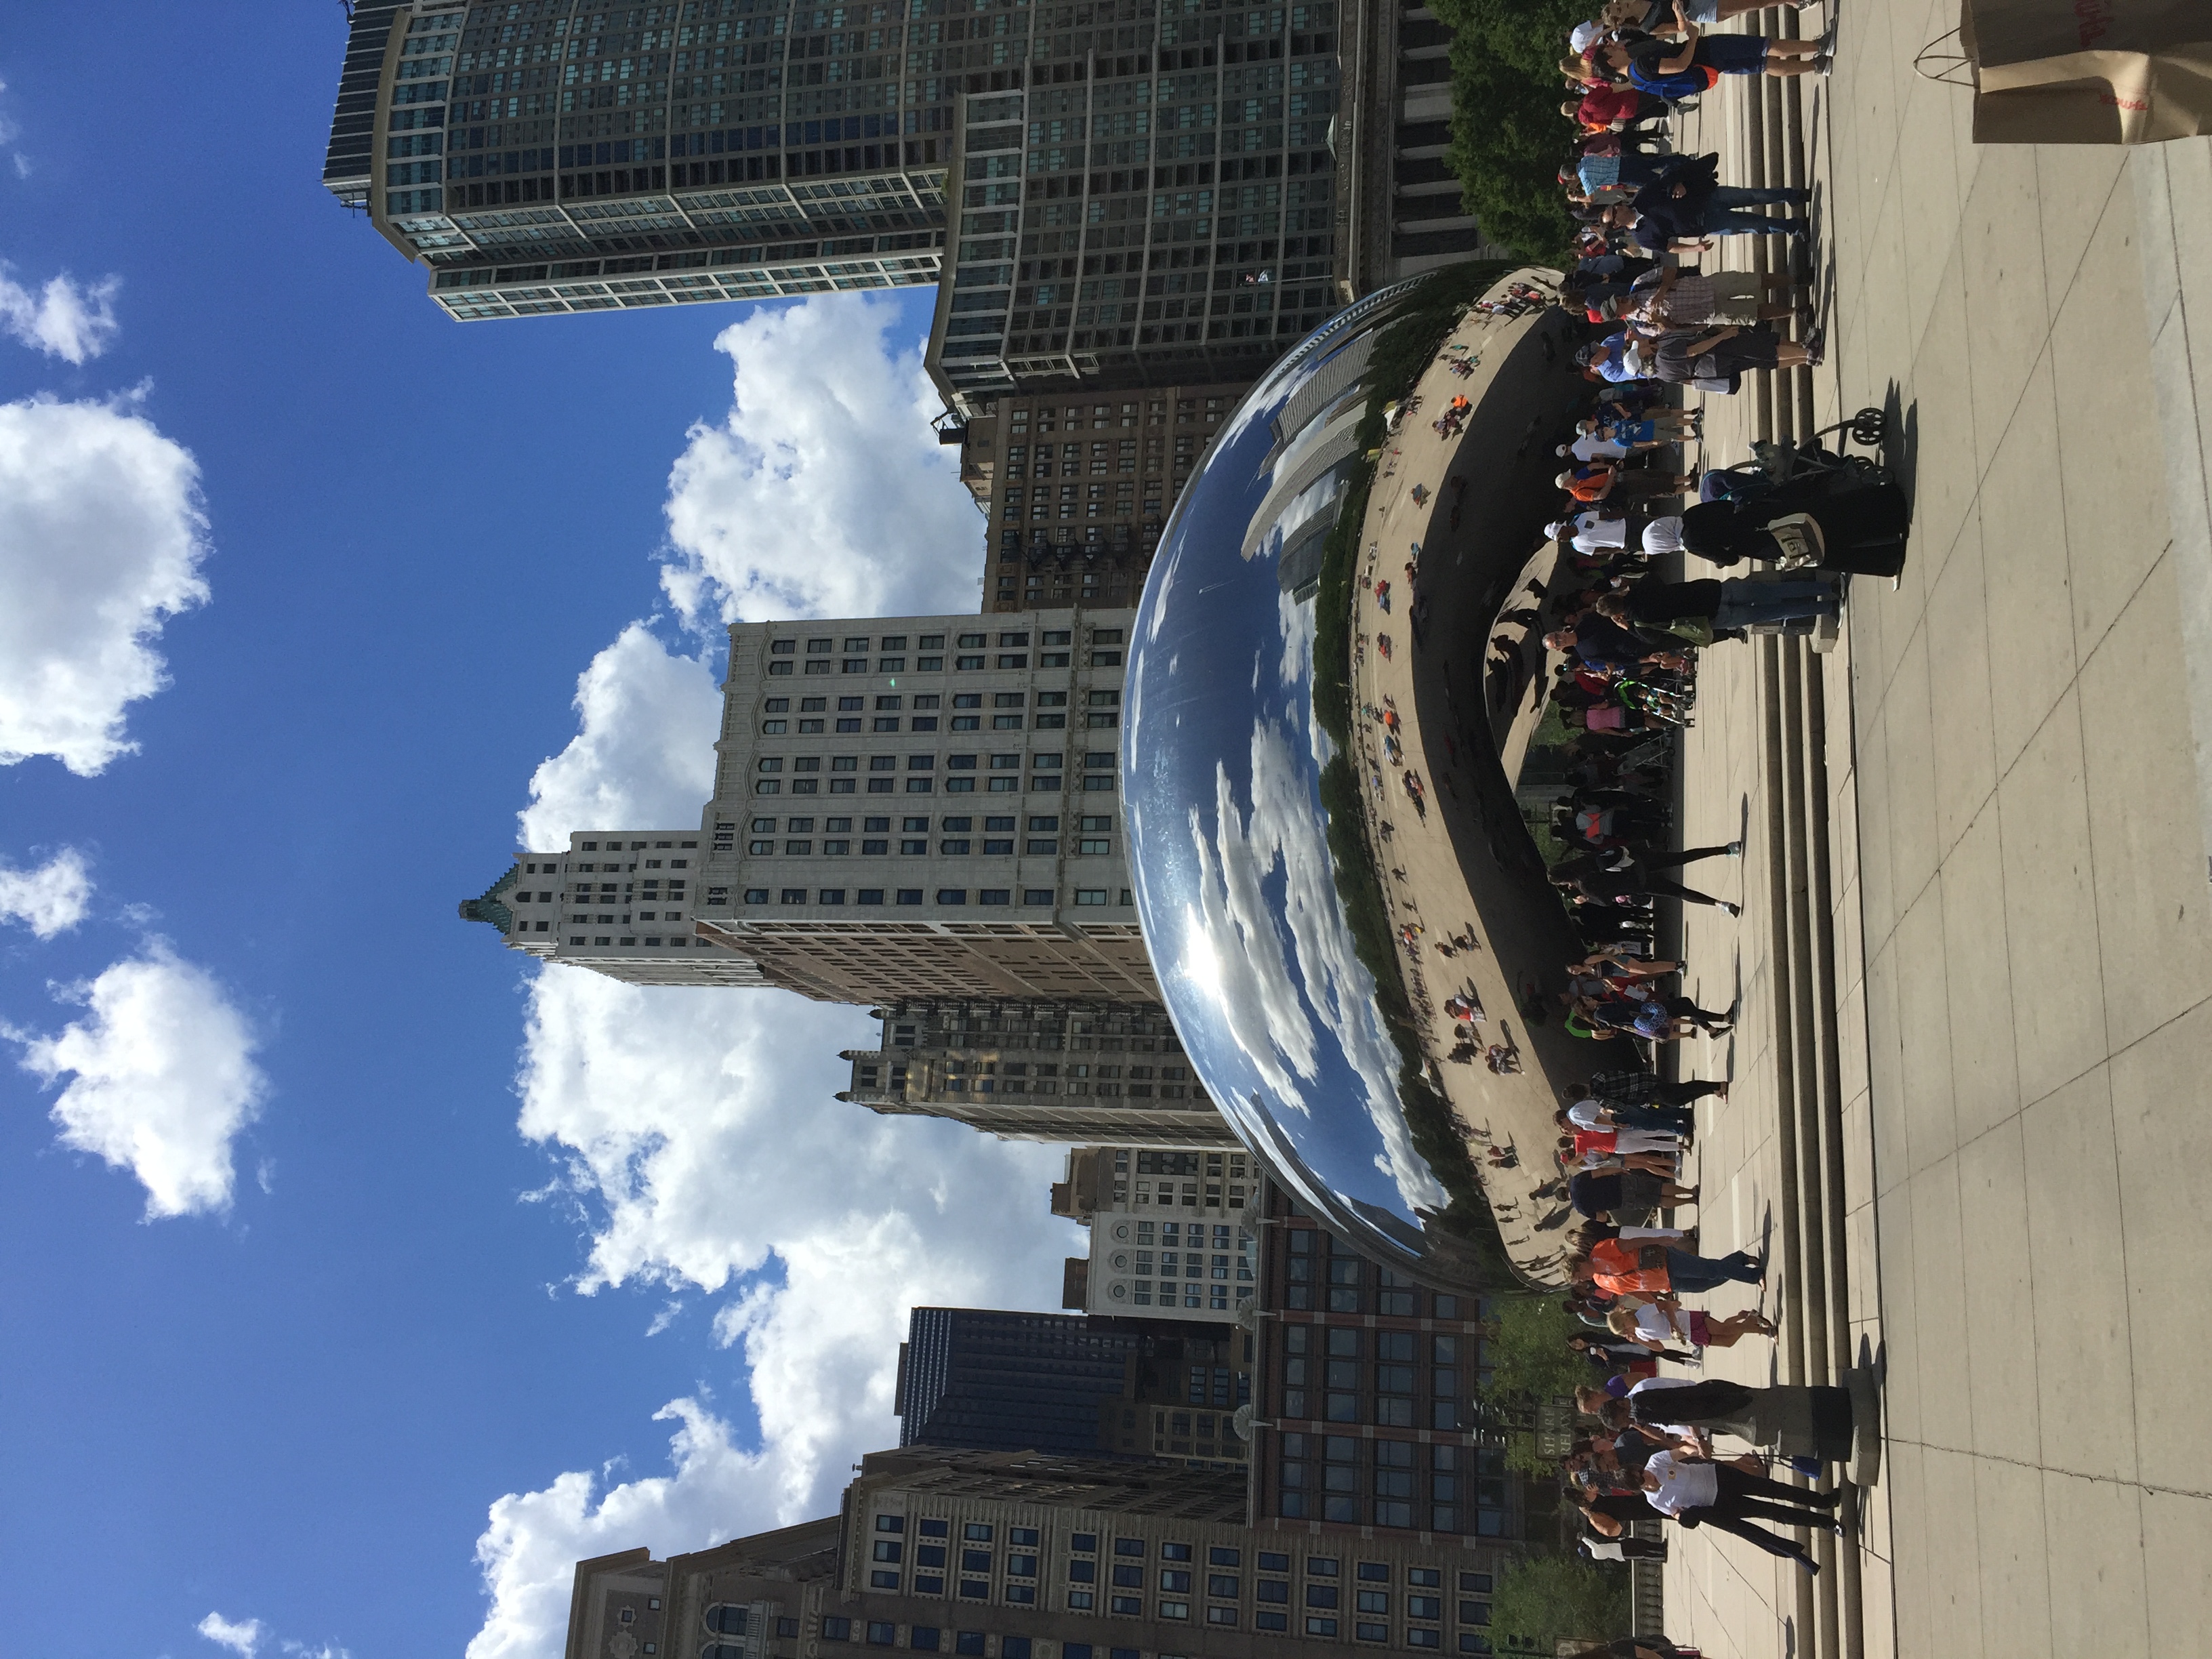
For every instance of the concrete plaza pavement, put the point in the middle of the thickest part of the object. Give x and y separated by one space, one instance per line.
2019 993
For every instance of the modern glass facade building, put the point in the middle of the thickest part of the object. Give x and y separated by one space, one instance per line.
1153 205
558 156
995 1380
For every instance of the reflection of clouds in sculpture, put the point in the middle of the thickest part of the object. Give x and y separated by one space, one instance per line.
1287 821
1296 670
1253 990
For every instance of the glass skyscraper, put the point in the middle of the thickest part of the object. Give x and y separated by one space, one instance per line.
557 155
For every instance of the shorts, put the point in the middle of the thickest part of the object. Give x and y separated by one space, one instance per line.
1700 1329
1639 1190
1733 54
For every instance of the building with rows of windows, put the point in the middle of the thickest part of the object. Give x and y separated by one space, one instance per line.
1159 216
923 806
617 901
1362 1387
1168 1232
1025 1556
990 1380
1028 1070
903 807
1077 486
544 156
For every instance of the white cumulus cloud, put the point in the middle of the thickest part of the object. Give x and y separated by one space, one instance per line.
62 319
50 899
240 1636
161 1077
643 757
101 539
696 1133
823 492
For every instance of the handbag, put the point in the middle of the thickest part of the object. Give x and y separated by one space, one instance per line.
2089 71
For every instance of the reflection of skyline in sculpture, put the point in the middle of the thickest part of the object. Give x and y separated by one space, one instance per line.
1314 455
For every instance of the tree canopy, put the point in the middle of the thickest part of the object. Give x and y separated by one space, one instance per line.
1507 135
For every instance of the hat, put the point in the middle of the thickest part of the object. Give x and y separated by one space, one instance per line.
1560 450
1583 38
1555 527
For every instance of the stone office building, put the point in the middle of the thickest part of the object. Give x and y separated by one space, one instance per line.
1170 1235
951 827
1077 486
1037 1070
559 155
1009 1556
617 901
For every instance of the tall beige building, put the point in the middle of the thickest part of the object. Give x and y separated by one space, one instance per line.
1029 1070
905 807
1020 1556
926 806
1170 1237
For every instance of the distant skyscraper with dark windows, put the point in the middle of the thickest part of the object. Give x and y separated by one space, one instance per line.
993 1380
557 155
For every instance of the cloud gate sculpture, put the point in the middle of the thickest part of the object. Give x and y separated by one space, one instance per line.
1259 838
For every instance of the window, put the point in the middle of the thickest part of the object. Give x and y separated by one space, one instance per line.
1084 1541
838 1630
888 1549
929 1555
923 1639
1218 1557
968 1640
928 1528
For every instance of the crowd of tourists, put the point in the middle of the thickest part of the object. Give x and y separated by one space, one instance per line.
1662 319
1648 1449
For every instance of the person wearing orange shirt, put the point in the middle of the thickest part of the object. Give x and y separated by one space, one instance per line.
1618 1268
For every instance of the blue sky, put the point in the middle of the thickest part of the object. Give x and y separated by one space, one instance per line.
347 1265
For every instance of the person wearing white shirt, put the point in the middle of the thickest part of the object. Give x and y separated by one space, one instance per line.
1697 1492
1593 532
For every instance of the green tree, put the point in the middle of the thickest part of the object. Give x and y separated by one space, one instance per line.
1507 135
1548 1599
1529 1350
